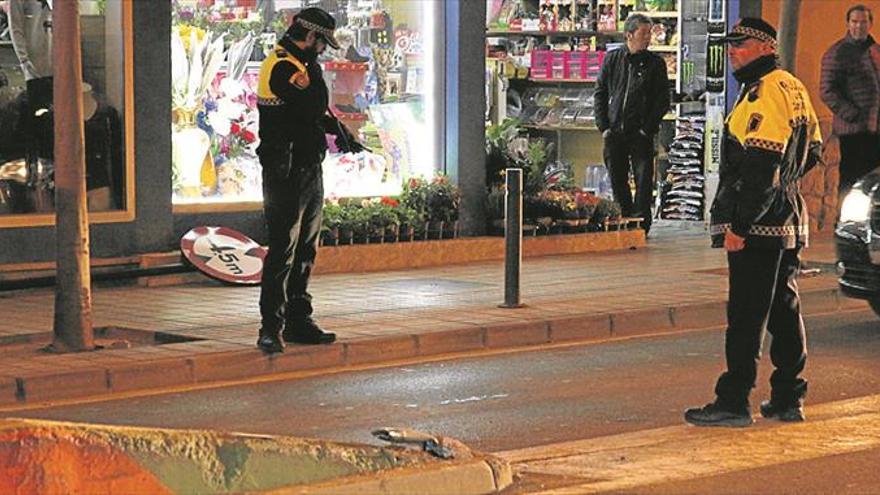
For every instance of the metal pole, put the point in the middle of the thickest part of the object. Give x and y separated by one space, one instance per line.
788 34
73 301
512 237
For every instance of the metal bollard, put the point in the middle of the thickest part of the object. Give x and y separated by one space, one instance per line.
512 238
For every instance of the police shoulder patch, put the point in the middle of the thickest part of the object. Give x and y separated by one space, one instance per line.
755 120
300 79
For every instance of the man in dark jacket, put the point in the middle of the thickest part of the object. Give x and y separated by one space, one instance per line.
294 118
632 96
771 138
850 86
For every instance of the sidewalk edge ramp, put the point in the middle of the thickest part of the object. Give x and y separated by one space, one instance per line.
39 456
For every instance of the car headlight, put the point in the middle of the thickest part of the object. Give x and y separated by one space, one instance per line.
856 207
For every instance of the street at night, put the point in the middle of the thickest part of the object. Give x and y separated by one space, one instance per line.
512 400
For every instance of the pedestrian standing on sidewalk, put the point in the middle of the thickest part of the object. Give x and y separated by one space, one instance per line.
292 100
771 139
632 96
850 86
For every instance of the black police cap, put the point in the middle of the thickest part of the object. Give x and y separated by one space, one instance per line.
319 21
752 27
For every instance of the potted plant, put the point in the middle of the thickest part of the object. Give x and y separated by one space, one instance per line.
560 204
379 219
437 201
495 206
498 153
333 215
586 204
605 210
407 219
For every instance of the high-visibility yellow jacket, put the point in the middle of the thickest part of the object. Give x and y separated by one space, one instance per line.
292 100
772 138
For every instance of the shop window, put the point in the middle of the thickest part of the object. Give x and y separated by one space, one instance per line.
26 111
381 82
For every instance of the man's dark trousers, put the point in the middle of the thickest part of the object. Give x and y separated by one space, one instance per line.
763 292
292 207
625 151
859 154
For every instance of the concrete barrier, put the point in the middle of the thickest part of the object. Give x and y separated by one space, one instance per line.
48 457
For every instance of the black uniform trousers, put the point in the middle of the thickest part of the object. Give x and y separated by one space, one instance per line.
292 208
631 151
763 293
859 154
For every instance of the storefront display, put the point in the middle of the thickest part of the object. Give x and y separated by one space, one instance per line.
381 83
26 114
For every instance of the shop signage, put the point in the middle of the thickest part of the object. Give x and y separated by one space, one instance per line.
714 131
224 254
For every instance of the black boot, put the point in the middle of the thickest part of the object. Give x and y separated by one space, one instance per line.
716 414
787 413
270 342
305 331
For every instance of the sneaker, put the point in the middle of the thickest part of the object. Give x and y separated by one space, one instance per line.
714 415
270 343
306 332
791 414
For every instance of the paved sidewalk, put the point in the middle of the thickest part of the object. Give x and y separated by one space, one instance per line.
675 284
633 462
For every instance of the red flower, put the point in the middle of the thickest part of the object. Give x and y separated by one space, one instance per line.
249 136
235 128
389 202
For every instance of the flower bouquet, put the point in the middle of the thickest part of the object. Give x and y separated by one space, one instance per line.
195 60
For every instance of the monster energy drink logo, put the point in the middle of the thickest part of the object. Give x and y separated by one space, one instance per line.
688 69
716 60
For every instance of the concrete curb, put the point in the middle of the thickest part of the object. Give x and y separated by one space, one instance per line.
38 456
477 476
248 363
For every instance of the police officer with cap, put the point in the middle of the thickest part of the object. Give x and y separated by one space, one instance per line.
294 118
771 139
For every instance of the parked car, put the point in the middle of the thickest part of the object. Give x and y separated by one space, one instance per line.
857 239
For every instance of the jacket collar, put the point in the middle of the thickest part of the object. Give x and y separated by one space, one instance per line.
287 43
633 56
757 69
865 43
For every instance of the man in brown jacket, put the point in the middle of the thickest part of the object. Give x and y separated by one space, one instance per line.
850 86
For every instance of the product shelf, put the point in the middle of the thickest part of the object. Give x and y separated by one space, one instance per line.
563 81
346 66
657 14
492 32
561 127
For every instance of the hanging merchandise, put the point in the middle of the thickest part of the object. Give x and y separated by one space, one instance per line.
682 192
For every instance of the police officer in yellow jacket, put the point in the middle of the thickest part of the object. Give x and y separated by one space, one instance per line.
771 139
294 119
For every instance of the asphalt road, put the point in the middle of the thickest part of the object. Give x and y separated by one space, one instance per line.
504 401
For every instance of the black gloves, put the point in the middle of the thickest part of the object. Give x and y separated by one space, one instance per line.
348 144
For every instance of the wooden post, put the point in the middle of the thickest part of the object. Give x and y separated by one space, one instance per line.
73 294
788 34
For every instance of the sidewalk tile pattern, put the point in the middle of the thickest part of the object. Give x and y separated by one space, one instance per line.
675 283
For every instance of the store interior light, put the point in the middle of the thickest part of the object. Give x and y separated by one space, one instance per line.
426 164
